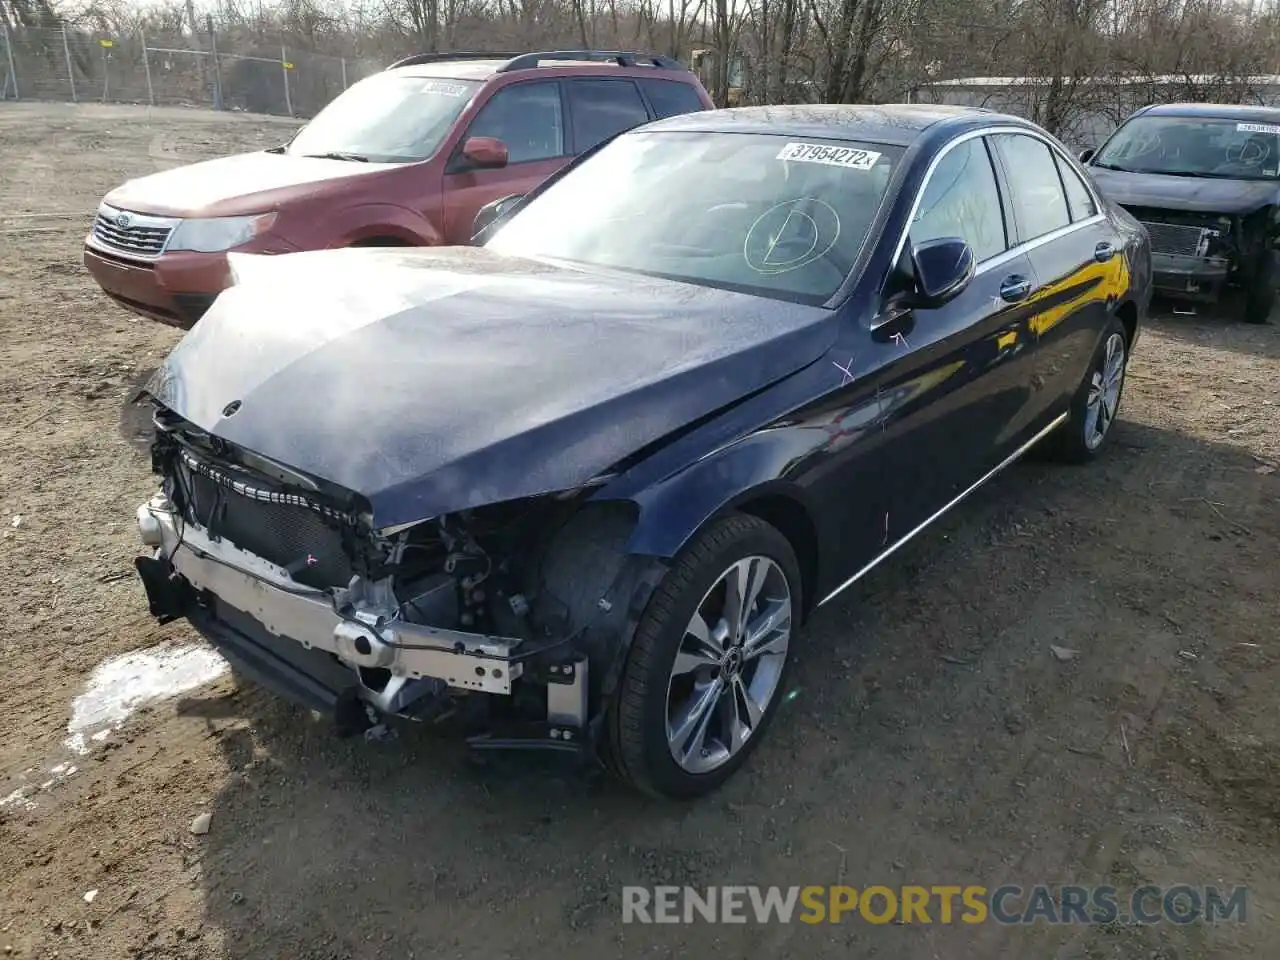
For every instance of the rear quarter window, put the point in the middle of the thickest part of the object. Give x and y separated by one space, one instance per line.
671 97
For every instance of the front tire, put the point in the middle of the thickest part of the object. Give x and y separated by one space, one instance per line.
1096 404
707 669
1260 297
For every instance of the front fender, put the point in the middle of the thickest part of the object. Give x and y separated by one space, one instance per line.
749 450
672 511
376 220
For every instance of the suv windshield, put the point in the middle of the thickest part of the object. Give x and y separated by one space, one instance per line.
388 118
777 216
1194 147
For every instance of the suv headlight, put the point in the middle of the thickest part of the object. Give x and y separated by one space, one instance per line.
215 234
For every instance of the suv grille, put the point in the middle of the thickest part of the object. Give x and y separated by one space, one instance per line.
133 234
286 529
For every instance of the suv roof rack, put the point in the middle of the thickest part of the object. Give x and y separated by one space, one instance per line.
623 58
420 58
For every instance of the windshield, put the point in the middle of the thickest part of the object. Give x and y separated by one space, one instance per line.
388 118
776 216
1194 147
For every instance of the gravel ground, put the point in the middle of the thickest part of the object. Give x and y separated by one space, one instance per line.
935 737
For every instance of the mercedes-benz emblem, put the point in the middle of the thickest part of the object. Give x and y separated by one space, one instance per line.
231 408
123 220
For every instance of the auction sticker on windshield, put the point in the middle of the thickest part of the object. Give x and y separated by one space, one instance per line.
1257 128
850 157
444 89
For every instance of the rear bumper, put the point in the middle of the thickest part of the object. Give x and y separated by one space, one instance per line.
175 288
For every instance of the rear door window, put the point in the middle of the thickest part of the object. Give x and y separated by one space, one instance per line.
602 108
670 97
527 118
1039 204
1079 199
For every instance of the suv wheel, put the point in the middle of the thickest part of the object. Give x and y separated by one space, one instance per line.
1260 297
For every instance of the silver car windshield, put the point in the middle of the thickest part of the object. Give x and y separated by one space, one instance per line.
1195 147
777 216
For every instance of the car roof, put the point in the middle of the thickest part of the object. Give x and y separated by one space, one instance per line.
1222 111
899 124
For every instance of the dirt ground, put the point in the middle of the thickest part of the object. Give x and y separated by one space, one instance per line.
934 738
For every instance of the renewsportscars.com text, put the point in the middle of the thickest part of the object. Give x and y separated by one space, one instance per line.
945 904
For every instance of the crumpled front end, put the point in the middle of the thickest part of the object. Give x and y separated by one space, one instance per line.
1198 255
287 579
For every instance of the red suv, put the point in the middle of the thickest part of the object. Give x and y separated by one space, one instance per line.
405 157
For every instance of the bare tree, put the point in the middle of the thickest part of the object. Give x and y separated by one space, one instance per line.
1076 62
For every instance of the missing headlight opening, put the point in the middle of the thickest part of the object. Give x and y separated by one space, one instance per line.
488 614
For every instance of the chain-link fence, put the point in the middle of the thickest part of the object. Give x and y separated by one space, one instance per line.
70 64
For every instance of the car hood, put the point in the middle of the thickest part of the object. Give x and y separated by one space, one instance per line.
1193 194
229 186
431 380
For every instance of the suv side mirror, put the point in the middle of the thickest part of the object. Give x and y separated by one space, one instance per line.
485 153
1087 154
492 216
942 268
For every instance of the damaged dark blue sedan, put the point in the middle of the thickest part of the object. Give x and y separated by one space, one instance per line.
580 486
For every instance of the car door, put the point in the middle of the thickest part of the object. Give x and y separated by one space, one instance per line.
955 381
529 118
600 107
1077 256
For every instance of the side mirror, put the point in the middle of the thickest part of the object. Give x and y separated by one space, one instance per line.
942 268
492 216
1087 154
485 153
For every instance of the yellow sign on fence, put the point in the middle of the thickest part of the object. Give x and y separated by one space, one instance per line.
107 43
287 65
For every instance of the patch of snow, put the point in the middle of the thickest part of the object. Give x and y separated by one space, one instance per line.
119 686
19 799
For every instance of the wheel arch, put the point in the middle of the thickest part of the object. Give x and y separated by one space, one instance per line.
381 240
669 522
384 222
790 517
1127 314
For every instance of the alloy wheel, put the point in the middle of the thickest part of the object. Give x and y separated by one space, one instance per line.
728 664
1104 392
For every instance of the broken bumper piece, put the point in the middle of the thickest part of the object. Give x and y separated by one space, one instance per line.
294 639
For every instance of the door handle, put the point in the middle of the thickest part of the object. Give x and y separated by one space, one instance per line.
1014 288
1104 251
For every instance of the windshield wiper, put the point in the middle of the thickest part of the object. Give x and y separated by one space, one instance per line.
338 155
1159 173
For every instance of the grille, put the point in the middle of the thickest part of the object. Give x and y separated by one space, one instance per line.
285 529
1175 238
138 235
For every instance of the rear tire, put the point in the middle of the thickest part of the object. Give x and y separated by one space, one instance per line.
1096 404
702 681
